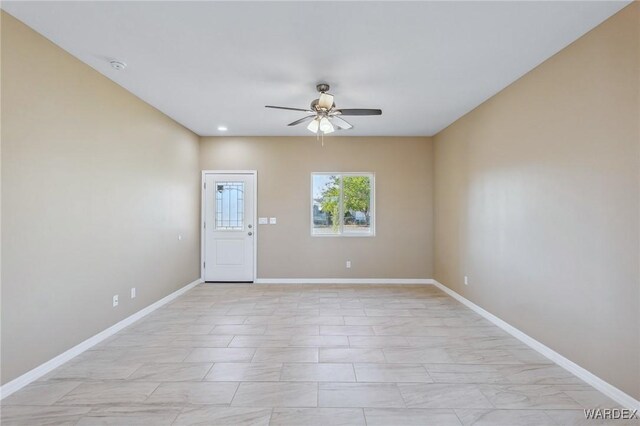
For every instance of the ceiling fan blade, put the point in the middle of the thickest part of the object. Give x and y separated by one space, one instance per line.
325 101
302 120
356 111
287 108
339 122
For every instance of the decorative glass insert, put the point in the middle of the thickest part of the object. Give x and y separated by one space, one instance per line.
229 206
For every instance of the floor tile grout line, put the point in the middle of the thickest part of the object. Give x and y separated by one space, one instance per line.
207 373
271 415
79 418
177 415
152 392
234 393
457 416
544 411
80 383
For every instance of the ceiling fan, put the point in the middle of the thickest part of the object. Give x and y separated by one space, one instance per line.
325 117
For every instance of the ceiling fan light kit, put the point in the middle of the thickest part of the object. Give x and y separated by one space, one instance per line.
314 125
324 117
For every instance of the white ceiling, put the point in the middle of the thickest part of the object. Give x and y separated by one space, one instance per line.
205 64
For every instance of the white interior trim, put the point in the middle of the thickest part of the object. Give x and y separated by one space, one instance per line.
606 388
344 281
30 376
254 173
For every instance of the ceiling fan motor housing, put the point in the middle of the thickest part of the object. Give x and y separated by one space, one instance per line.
314 105
322 87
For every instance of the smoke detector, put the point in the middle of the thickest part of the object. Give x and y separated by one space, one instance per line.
118 65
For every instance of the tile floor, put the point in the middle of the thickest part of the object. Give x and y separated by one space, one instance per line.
308 355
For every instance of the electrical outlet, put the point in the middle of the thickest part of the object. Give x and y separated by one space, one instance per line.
466 280
133 292
348 264
115 300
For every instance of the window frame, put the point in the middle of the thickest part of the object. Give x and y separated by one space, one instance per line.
372 204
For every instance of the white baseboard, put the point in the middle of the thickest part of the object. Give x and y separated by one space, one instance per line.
606 388
32 375
344 281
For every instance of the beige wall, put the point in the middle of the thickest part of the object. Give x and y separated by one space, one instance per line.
96 187
402 247
536 195
536 200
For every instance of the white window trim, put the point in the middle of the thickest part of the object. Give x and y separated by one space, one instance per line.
372 232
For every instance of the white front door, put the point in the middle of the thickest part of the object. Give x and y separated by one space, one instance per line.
229 227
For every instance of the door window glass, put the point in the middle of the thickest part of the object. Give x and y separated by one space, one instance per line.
229 206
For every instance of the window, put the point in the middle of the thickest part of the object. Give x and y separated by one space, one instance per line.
229 206
342 204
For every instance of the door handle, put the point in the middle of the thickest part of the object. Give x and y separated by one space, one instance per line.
250 233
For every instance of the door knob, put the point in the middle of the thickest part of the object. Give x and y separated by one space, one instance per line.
250 226
250 233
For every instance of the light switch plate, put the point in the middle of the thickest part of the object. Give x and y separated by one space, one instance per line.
263 221
272 220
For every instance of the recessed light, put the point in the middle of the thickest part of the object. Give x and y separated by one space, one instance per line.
118 65
222 128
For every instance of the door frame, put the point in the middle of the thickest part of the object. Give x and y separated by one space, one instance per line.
254 178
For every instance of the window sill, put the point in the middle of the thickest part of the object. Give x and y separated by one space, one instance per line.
347 235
